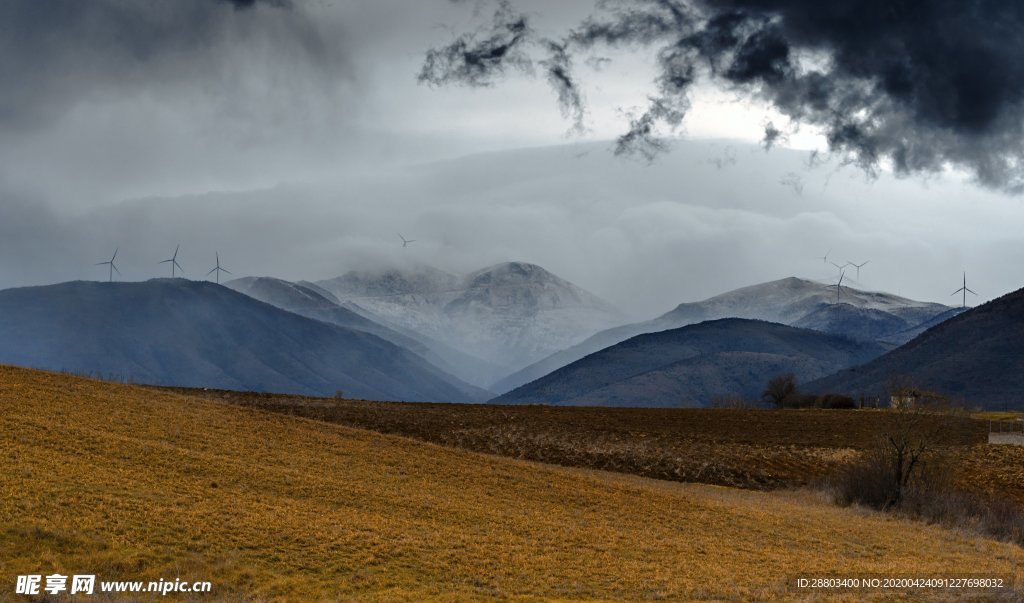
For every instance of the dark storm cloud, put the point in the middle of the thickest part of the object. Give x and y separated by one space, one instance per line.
56 54
479 58
772 136
641 139
558 67
918 83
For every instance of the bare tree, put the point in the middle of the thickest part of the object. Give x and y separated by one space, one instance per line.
780 389
912 443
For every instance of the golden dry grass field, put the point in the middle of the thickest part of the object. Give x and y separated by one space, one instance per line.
135 483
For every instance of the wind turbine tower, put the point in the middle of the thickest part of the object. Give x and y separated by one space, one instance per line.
839 284
174 261
964 290
218 269
113 267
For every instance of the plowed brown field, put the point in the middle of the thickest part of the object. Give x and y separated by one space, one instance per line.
756 449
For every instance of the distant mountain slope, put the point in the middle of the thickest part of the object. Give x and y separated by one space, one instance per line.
312 301
847 319
904 336
510 314
307 301
179 332
977 357
792 301
693 364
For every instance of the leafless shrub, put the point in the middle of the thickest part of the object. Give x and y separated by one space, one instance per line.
907 455
909 471
835 402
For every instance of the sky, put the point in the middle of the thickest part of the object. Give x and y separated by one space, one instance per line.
297 139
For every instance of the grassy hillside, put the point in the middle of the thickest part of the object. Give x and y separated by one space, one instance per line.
136 483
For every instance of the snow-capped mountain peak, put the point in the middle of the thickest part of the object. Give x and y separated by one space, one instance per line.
509 314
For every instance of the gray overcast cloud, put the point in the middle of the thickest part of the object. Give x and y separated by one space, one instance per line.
294 138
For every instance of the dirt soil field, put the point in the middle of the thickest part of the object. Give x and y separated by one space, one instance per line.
754 449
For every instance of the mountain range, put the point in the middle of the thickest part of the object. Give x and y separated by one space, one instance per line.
422 334
692 365
976 357
863 315
188 333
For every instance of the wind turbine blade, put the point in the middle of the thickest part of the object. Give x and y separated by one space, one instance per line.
971 292
165 261
102 263
115 254
955 292
865 263
225 270
115 268
211 272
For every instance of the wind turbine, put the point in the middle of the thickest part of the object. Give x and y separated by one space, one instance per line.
113 268
842 273
858 267
405 242
824 258
174 261
965 290
218 269
840 268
